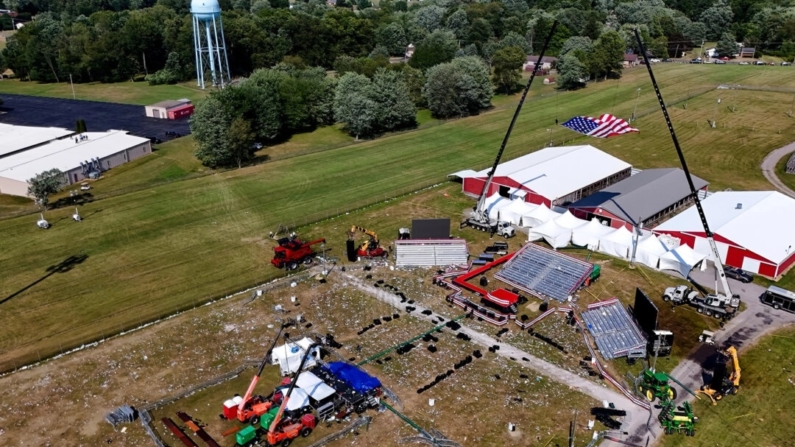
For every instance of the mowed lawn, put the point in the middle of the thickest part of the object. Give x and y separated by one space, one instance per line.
156 250
124 92
760 414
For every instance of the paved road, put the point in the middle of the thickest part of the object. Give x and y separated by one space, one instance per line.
636 416
769 167
741 332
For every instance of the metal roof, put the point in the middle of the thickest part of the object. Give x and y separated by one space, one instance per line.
65 154
15 138
642 195
759 221
555 172
170 103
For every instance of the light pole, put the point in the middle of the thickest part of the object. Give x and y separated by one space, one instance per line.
73 86
636 106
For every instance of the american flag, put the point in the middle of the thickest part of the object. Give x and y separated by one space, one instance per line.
605 126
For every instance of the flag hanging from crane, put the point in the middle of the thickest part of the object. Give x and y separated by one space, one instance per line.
605 126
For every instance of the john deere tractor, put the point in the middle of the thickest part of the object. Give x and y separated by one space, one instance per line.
654 385
678 420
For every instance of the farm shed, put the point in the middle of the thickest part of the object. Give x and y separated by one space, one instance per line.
78 157
171 109
645 198
752 229
553 176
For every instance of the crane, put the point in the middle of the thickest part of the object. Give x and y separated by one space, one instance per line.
251 408
717 299
480 219
724 385
369 248
283 433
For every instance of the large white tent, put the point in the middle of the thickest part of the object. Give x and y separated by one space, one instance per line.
555 235
589 234
681 259
540 215
617 243
513 213
494 203
567 220
649 250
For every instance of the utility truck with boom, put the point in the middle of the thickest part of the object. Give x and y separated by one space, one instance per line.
712 301
480 219
283 431
710 305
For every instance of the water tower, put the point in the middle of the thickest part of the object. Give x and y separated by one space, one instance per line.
208 40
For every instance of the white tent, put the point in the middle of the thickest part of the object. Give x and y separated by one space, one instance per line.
617 243
540 215
649 250
513 213
288 356
298 400
555 235
495 203
589 234
682 259
567 220
315 387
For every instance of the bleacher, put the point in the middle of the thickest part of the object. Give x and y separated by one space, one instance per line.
544 273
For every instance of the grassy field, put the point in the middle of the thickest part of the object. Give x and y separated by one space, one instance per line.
759 414
153 251
124 92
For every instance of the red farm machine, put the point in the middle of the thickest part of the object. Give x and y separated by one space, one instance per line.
292 252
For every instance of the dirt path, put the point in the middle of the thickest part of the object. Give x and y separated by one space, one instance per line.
636 417
769 168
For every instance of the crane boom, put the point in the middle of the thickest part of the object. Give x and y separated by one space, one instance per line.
481 213
254 380
276 420
693 191
734 378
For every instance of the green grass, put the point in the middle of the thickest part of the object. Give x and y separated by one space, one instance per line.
122 92
155 250
758 414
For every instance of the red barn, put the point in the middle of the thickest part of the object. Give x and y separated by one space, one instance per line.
752 229
645 198
553 176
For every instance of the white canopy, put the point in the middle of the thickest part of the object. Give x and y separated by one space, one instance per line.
540 215
314 386
555 235
299 399
649 250
513 213
616 243
494 203
682 259
567 220
589 234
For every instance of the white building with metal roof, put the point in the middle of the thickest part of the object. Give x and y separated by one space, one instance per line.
552 176
754 230
78 157
14 139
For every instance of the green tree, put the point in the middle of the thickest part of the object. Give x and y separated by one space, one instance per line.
572 72
507 64
593 28
458 23
390 93
513 39
608 53
727 45
581 43
45 184
240 140
440 46
430 18
209 124
353 106
717 19
393 37
459 88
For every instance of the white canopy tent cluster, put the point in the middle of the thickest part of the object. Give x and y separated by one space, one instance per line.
561 229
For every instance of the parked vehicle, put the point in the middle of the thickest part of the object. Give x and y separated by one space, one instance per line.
744 63
718 61
85 186
695 61
760 63
718 306
724 58
738 274
171 133
786 64
155 140
779 298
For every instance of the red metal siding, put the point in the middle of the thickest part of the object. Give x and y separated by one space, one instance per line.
767 269
785 265
179 112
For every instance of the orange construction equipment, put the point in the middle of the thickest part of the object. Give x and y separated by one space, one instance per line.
282 432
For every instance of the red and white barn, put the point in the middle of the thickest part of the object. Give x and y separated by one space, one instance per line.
553 176
754 230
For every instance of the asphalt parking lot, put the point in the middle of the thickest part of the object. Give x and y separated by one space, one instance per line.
99 116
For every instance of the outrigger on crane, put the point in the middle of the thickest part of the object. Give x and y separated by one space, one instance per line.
480 219
717 299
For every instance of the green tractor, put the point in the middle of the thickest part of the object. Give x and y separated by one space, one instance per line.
654 385
678 420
